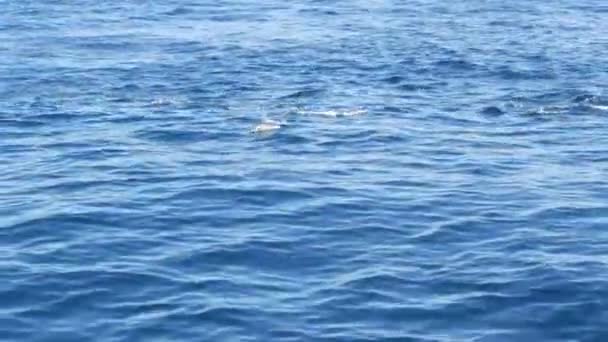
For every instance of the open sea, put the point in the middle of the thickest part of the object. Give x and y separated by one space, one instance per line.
312 170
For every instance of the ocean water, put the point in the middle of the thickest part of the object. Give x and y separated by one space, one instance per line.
313 170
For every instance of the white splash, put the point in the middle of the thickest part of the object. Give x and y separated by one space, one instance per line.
163 101
599 107
552 109
267 126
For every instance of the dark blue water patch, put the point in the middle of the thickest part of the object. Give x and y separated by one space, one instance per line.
589 7
126 88
128 119
492 111
180 11
306 93
14 123
15 329
318 11
414 87
267 255
186 47
286 141
393 109
455 64
109 43
348 139
64 145
43 104
394 79
175 136
510 73
141 18
55 118
229 17
121 100
504 23
9 149
17 82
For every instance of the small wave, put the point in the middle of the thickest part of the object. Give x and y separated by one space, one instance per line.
17 123
508 73
586 98
54 117
171 135
303 93
456 64
591 101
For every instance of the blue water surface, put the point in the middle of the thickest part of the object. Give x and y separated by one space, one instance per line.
421 171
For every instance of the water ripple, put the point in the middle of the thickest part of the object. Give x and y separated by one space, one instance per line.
418 172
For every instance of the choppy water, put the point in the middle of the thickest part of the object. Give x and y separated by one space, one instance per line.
435 171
